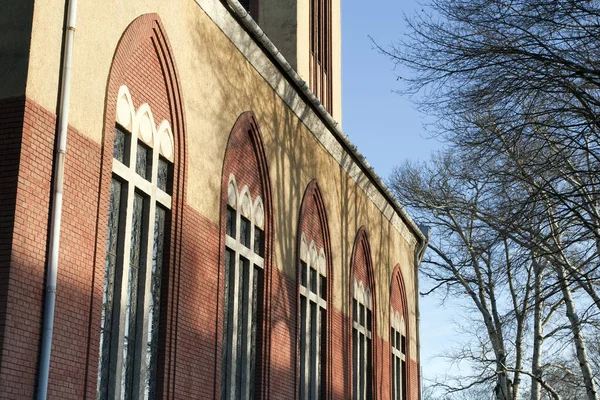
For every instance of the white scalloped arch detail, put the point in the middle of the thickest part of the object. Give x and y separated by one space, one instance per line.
398 322
141 123
241 200
125 110
259 213
232 192
245 203
313 256
362 294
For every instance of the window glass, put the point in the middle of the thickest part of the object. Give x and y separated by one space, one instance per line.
133 268
243 298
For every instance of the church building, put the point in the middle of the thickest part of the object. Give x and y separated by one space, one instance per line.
182 216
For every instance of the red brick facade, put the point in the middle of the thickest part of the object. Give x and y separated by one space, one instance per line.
191 325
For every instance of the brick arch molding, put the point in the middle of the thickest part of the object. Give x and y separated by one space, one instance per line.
147 28
398 286
245 157
313 201
361 242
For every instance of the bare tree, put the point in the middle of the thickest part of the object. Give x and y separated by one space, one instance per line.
515 86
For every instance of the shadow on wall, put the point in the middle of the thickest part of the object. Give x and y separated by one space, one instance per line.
238 87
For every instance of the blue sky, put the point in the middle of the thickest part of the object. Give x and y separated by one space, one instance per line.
387 129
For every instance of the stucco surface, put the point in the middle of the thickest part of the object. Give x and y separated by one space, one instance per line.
218 84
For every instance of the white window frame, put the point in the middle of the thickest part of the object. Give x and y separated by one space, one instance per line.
398 344
140 127
362 336
253 211
310 346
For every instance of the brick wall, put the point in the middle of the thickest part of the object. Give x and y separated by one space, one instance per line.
27 138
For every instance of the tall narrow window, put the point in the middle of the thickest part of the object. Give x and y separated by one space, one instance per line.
139 206
361 342
320 51
313 304
244 265
398 344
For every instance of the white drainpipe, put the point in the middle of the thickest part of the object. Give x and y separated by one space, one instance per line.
57 200
419 253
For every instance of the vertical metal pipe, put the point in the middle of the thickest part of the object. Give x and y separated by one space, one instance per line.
419 253
57 200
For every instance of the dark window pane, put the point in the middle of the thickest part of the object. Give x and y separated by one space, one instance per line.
112 243
355 362
325 34
303 322
121 145
230 222
361 317
313 348
323 356
245 232
154 302
323 287
369 371
368 319
392 338
313 280
162 179
257 302
143 163
240 349
403 342
259 237
313 5
228 323
319 30
246 304
402 379
398 341
354 310
394 381
129 329
361 353
256 299
303 272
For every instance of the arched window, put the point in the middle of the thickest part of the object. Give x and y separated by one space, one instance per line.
313 318
246 229
244 266
398 337
362 336
363 320
313 263
140 203
398 345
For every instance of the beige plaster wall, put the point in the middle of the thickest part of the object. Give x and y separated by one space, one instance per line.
218 84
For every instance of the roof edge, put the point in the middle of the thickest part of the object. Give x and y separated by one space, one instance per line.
254 30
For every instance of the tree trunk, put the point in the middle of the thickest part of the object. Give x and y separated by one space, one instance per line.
578 338
538 334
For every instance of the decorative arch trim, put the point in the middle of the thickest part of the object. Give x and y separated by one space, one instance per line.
307 251
246 124
368 291
171 137
400 318
362 242
233 191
